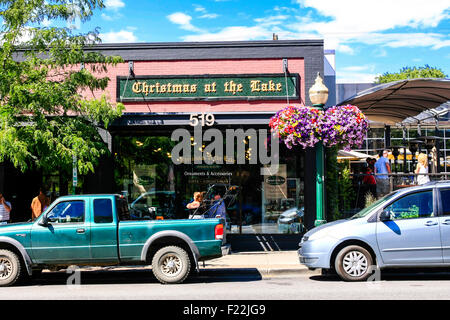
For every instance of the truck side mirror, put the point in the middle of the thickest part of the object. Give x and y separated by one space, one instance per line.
44 221
385 215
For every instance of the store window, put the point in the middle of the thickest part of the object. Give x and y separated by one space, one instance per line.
156 188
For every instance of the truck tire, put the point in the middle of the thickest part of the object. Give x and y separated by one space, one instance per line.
171 264
353 263
10 268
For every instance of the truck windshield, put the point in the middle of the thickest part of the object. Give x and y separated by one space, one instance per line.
364 212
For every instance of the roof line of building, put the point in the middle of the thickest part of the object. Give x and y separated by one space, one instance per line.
206 44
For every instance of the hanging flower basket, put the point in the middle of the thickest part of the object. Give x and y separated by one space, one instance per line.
345 126
298 126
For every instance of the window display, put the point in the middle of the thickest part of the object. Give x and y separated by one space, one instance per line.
156 188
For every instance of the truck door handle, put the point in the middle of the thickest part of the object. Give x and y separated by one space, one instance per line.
446 222
81 230
430 223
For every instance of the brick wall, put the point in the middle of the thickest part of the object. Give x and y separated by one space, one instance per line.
201 67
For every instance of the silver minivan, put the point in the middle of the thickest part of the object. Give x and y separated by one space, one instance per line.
406 228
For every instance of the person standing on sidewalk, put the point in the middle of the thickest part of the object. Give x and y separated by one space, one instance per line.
5 209
383 168
39 204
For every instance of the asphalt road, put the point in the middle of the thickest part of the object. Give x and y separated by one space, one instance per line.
232 285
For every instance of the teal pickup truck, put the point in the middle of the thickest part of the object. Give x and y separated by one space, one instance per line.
98 230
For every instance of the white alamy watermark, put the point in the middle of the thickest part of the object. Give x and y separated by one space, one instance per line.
232 146
374 280
74 280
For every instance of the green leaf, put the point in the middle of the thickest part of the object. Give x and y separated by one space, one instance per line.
44 120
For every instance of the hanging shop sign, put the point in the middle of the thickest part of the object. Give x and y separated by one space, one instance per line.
208 87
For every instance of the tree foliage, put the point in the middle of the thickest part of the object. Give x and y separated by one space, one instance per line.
44 118
411 73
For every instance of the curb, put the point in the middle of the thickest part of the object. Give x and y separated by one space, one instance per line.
255 271
287 272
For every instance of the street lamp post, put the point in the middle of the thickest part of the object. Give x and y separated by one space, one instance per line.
318 95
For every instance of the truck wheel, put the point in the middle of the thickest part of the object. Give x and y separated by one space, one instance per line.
10 268
171 265
353 263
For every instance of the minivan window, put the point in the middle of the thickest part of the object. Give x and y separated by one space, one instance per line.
445 197
364 212
411 206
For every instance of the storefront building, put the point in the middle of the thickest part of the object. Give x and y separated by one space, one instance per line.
223 88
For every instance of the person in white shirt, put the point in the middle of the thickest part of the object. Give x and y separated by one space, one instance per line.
422 169
5 209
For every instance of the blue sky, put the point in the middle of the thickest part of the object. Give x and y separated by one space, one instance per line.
370 37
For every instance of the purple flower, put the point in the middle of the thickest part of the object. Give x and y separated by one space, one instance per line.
345 126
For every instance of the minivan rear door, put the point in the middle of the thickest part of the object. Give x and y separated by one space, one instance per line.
444 201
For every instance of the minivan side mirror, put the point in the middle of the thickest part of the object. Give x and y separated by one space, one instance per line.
385 215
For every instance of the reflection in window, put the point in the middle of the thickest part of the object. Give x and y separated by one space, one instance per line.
153 205
103 211
67 212
445 196
156 188
417 205
122 209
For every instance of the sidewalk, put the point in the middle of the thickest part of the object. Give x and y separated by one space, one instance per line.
268 264
261 264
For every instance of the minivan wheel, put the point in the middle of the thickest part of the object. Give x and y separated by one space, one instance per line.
353 263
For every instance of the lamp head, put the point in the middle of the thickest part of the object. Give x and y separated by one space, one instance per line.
318 93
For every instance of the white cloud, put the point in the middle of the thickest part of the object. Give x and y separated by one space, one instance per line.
358 68
209 16
372 16
342 24
183 20
355 77
199 8
121 36
397 40
232 34
114 4
106 17
343 48
366 21
273 20
204 12
356 74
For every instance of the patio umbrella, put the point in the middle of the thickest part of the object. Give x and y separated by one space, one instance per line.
352 155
